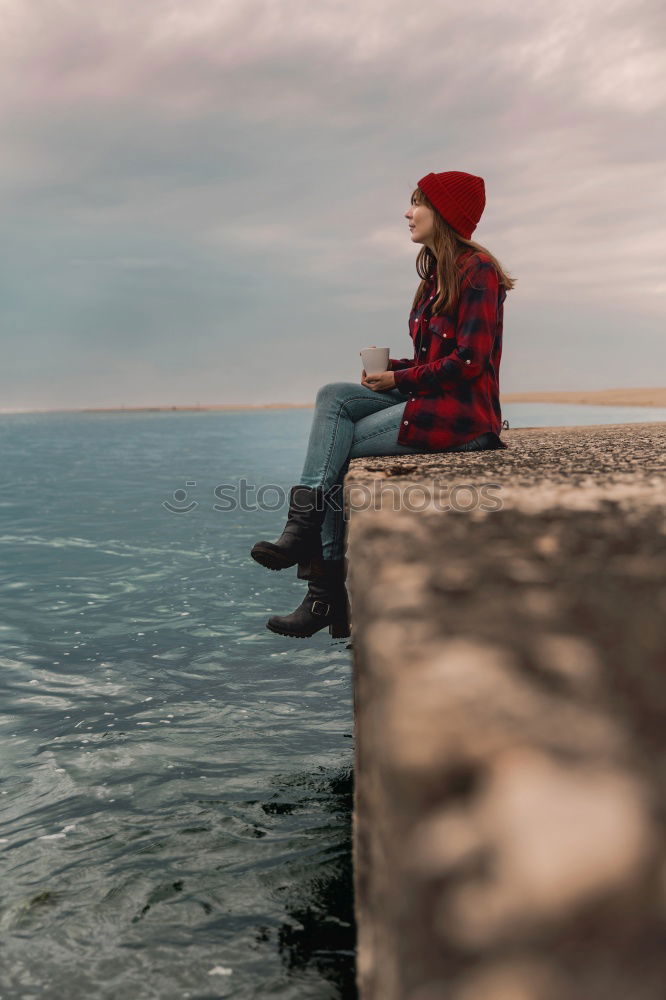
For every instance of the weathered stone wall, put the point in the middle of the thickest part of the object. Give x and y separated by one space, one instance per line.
510 702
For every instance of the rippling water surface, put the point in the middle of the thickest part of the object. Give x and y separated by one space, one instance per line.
176 779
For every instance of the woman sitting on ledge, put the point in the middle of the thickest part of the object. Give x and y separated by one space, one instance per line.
445 398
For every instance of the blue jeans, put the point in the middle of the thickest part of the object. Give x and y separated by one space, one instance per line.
349 421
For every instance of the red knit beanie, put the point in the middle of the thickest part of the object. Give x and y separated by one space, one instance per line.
459 198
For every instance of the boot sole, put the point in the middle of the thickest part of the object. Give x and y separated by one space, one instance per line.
271 560
335 632
292 635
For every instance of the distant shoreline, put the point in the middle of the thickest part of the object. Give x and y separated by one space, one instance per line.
173 409
592 397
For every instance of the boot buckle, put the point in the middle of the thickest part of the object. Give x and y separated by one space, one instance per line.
323 604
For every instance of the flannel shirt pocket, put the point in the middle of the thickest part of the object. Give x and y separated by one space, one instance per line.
443 329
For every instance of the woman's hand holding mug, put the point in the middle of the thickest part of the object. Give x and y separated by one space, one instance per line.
378 381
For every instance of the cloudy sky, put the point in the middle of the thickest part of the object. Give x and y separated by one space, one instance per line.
203 199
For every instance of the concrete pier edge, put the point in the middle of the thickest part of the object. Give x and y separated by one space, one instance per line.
508 613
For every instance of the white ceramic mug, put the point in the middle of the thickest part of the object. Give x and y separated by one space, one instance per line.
375 360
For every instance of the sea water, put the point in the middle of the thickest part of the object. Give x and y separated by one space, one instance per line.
176 779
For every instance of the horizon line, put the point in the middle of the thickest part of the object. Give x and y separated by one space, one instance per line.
525 395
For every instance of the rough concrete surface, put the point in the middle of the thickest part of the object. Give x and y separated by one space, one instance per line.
510 704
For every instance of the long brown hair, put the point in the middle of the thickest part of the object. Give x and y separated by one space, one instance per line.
448 261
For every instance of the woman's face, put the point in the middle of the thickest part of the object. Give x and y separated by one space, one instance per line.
420 220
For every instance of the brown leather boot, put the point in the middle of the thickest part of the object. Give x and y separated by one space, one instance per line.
325 604
300 541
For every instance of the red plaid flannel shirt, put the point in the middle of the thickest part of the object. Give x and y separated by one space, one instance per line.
453 380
